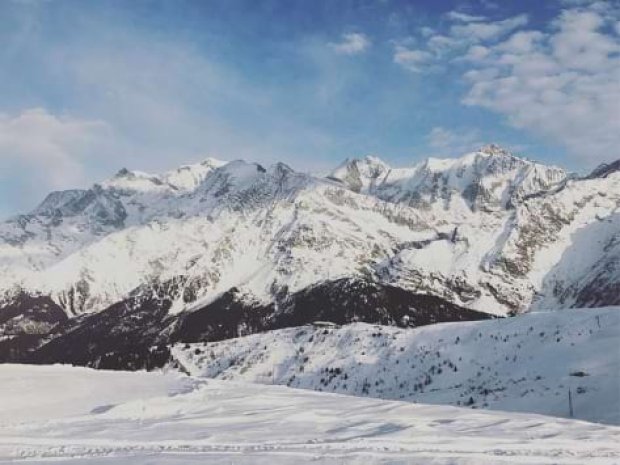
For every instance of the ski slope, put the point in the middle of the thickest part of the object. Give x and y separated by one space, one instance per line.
65 415
527 363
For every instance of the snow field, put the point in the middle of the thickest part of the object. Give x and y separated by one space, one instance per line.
526 363
159 419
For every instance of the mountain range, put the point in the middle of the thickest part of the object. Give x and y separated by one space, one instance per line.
222 249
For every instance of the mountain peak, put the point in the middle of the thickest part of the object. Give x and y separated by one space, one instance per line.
183 178
131 180
213 162
494 149
374 161
490 159
188 177
123 172
360 174
132 174
57 201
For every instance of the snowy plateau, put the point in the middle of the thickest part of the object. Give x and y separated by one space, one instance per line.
457 311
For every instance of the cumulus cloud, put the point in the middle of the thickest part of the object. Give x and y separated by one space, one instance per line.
477 31
465 31
579 44
561 82
521 42
49 150
411 59
352 43
563 85
476 53
439 44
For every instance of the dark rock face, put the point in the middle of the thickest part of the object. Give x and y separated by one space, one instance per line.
123 337
600 291
605 169
36 309
25 323
225 318
348 300
102 206
136 333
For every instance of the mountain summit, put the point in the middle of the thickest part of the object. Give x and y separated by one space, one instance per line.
361 175
490 178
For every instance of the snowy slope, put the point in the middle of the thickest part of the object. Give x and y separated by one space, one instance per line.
489 231
39 393
217 422
526 363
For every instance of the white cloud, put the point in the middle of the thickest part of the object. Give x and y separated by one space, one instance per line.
578 44
411 59
352 43
563 85
476 53
521 42
464 17
463 41
477 31
48 151
445 142
440 43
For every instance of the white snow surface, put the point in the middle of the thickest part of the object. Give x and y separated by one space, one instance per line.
158 419
489 231
526 363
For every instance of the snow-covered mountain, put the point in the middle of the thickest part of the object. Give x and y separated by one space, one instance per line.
112 276
489 231
489 180
527 363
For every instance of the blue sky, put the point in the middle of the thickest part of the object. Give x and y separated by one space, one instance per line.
88 87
